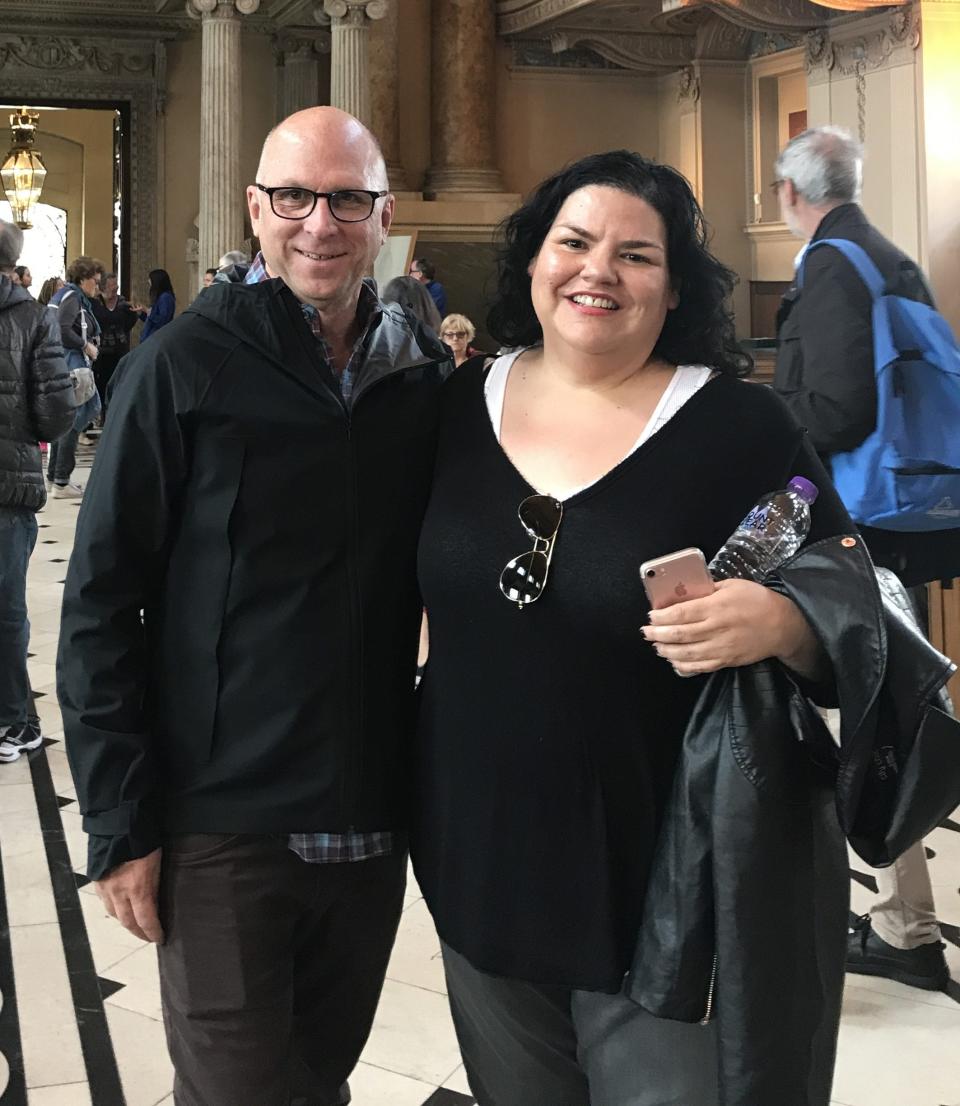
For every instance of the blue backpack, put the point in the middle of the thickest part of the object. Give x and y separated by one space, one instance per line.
906 474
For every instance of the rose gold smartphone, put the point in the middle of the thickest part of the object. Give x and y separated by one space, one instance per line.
676 578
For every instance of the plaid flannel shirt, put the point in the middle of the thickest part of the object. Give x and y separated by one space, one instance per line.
337 848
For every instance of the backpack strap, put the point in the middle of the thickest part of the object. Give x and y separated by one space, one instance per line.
858 258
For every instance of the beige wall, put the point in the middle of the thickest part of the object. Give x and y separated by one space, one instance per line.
81 177
545 119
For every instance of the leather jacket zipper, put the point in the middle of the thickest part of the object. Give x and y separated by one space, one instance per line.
708 1013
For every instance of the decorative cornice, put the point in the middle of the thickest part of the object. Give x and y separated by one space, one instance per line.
719 40
540 54
897 38
641 52
74 55
516 16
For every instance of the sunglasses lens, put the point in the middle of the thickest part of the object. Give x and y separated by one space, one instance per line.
523 579
540 515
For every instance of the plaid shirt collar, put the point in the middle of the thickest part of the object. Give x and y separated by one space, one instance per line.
369 311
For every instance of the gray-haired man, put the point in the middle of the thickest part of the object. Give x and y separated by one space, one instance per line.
825 373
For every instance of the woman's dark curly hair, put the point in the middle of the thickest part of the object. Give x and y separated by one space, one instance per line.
699 330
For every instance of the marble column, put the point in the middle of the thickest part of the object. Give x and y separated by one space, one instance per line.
221 193
349 71
463 92
383 62
300 71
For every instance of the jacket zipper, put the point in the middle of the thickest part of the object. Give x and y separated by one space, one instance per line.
708 1013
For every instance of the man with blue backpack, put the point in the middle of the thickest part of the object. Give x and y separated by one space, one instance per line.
873 372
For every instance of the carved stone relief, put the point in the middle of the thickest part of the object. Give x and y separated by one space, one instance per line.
896 39
688 85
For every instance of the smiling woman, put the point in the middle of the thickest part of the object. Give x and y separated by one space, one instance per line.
613 432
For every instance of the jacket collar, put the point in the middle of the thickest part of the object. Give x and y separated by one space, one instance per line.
268 317
846 217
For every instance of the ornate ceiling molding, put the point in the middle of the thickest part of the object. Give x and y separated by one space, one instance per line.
516 16
857 54
101 57
756 15
646 53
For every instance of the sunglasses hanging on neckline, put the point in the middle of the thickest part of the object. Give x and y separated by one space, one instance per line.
525 576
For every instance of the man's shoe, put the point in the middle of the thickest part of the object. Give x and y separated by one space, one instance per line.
66 491
868 954
15 740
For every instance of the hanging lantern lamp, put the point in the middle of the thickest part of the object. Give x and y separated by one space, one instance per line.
23 171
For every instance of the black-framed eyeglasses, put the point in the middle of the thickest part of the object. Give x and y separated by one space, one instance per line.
347 205
525 577
775 186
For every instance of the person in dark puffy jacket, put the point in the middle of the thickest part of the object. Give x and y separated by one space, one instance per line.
36 401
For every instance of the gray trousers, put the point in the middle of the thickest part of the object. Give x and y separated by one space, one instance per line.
530 1045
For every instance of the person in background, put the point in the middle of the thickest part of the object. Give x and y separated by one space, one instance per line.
49 289
117 318
458 332
413 297
24 276
825 375
234 266
208 277
36 401
80 332
425 271
163 304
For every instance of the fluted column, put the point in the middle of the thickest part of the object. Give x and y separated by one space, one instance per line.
383 64
463 92
349 71
221 194
300 71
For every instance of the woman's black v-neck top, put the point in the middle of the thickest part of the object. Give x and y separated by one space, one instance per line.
549 735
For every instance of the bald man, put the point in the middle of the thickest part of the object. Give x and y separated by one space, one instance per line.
240 629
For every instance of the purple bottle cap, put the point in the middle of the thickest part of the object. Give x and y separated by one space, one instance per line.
806 489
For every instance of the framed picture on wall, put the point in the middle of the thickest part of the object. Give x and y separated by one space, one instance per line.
395 258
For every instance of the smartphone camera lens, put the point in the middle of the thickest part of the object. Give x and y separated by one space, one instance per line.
651 572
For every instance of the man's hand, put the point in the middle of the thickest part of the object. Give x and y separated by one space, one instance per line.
740 623
129 892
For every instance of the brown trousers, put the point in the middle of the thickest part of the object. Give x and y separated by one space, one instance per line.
272 968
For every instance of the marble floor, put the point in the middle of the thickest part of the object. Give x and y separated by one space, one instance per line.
80 1021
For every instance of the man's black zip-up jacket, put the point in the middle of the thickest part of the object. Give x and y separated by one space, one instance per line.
241 612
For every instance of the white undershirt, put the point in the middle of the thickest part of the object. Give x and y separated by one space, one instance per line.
686 381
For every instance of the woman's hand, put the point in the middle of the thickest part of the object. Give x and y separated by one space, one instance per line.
740 623
92 350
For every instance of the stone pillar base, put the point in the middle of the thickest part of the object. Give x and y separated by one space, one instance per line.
397 176
465 179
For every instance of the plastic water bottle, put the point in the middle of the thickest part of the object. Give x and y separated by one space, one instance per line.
770 534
